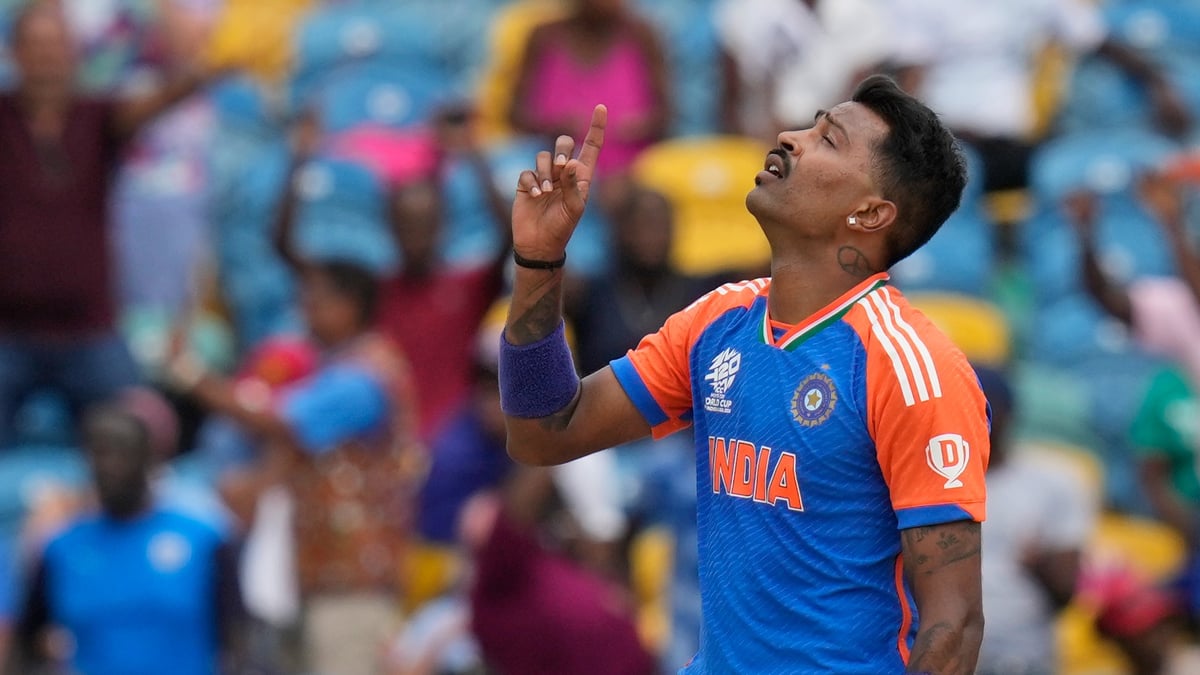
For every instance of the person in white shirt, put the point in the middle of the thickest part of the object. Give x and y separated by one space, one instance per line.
787 59
1040 516
974 63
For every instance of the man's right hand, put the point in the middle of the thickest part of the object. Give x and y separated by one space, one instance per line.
550 200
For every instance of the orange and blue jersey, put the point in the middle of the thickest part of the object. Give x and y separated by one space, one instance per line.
815 444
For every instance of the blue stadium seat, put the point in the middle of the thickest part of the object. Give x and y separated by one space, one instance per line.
961 256
380 95
27 469
689 39
397 36
257 285
1103 161
1101 96
342 214
1073 329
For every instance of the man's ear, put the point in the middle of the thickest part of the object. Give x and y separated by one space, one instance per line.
872 216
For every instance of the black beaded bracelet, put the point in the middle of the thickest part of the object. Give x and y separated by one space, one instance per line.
522 261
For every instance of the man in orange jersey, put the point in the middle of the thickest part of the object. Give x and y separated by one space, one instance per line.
841 440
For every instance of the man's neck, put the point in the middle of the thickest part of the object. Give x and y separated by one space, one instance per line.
801 285
44 108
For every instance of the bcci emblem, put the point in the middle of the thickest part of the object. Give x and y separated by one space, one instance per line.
814 400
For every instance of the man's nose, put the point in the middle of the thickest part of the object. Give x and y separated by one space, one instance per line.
790 141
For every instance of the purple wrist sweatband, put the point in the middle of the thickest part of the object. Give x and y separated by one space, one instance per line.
537 379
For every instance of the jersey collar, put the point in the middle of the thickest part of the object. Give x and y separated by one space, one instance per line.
828 315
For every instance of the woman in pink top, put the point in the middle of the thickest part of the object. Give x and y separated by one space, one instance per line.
599 53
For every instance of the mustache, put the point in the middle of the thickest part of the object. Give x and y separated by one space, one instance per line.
786 159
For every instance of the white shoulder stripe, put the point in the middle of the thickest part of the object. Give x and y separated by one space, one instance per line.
888 347
910 356
930 369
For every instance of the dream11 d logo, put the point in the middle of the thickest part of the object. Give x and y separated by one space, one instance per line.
947 455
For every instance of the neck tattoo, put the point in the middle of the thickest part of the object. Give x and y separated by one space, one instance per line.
855 262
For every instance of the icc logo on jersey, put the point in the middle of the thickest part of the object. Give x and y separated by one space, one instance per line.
947 455
814 400
721 373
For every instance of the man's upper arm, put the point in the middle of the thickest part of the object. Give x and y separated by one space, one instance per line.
942 564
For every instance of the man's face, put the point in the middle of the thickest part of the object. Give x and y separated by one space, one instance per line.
417 221
818 177
329 313
43 49
119 456
645 235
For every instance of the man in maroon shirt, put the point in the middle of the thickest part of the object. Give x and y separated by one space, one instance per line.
60 150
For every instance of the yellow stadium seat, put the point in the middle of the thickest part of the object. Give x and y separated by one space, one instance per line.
1152 548
510 31
650 559
428 571
978 327
256 36
1153 551
1081 650
706 180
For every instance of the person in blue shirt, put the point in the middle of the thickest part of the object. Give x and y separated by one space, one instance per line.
136 588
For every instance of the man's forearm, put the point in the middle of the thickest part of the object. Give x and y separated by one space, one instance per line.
536 308
946 647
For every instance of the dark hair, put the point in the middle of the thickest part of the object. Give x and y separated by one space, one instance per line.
110 412
918 164
355 282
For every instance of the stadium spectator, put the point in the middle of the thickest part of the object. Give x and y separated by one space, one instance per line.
787 59
161 208
601 52
1163 312
1039 521
641 289
137 588
536 613
56 290
429 309
975 64
343 442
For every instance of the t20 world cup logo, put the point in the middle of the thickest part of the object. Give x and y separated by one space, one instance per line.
947 455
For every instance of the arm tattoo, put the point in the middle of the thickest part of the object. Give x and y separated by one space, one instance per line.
948 641
937 647
855 262
953 545
539 318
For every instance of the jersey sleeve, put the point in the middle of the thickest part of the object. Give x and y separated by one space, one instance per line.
334 406
928 417
657 374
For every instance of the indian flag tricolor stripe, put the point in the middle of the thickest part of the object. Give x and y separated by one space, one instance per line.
799 333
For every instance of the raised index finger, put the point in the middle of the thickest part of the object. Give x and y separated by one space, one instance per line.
595 137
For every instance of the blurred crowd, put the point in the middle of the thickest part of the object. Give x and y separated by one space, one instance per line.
253 262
